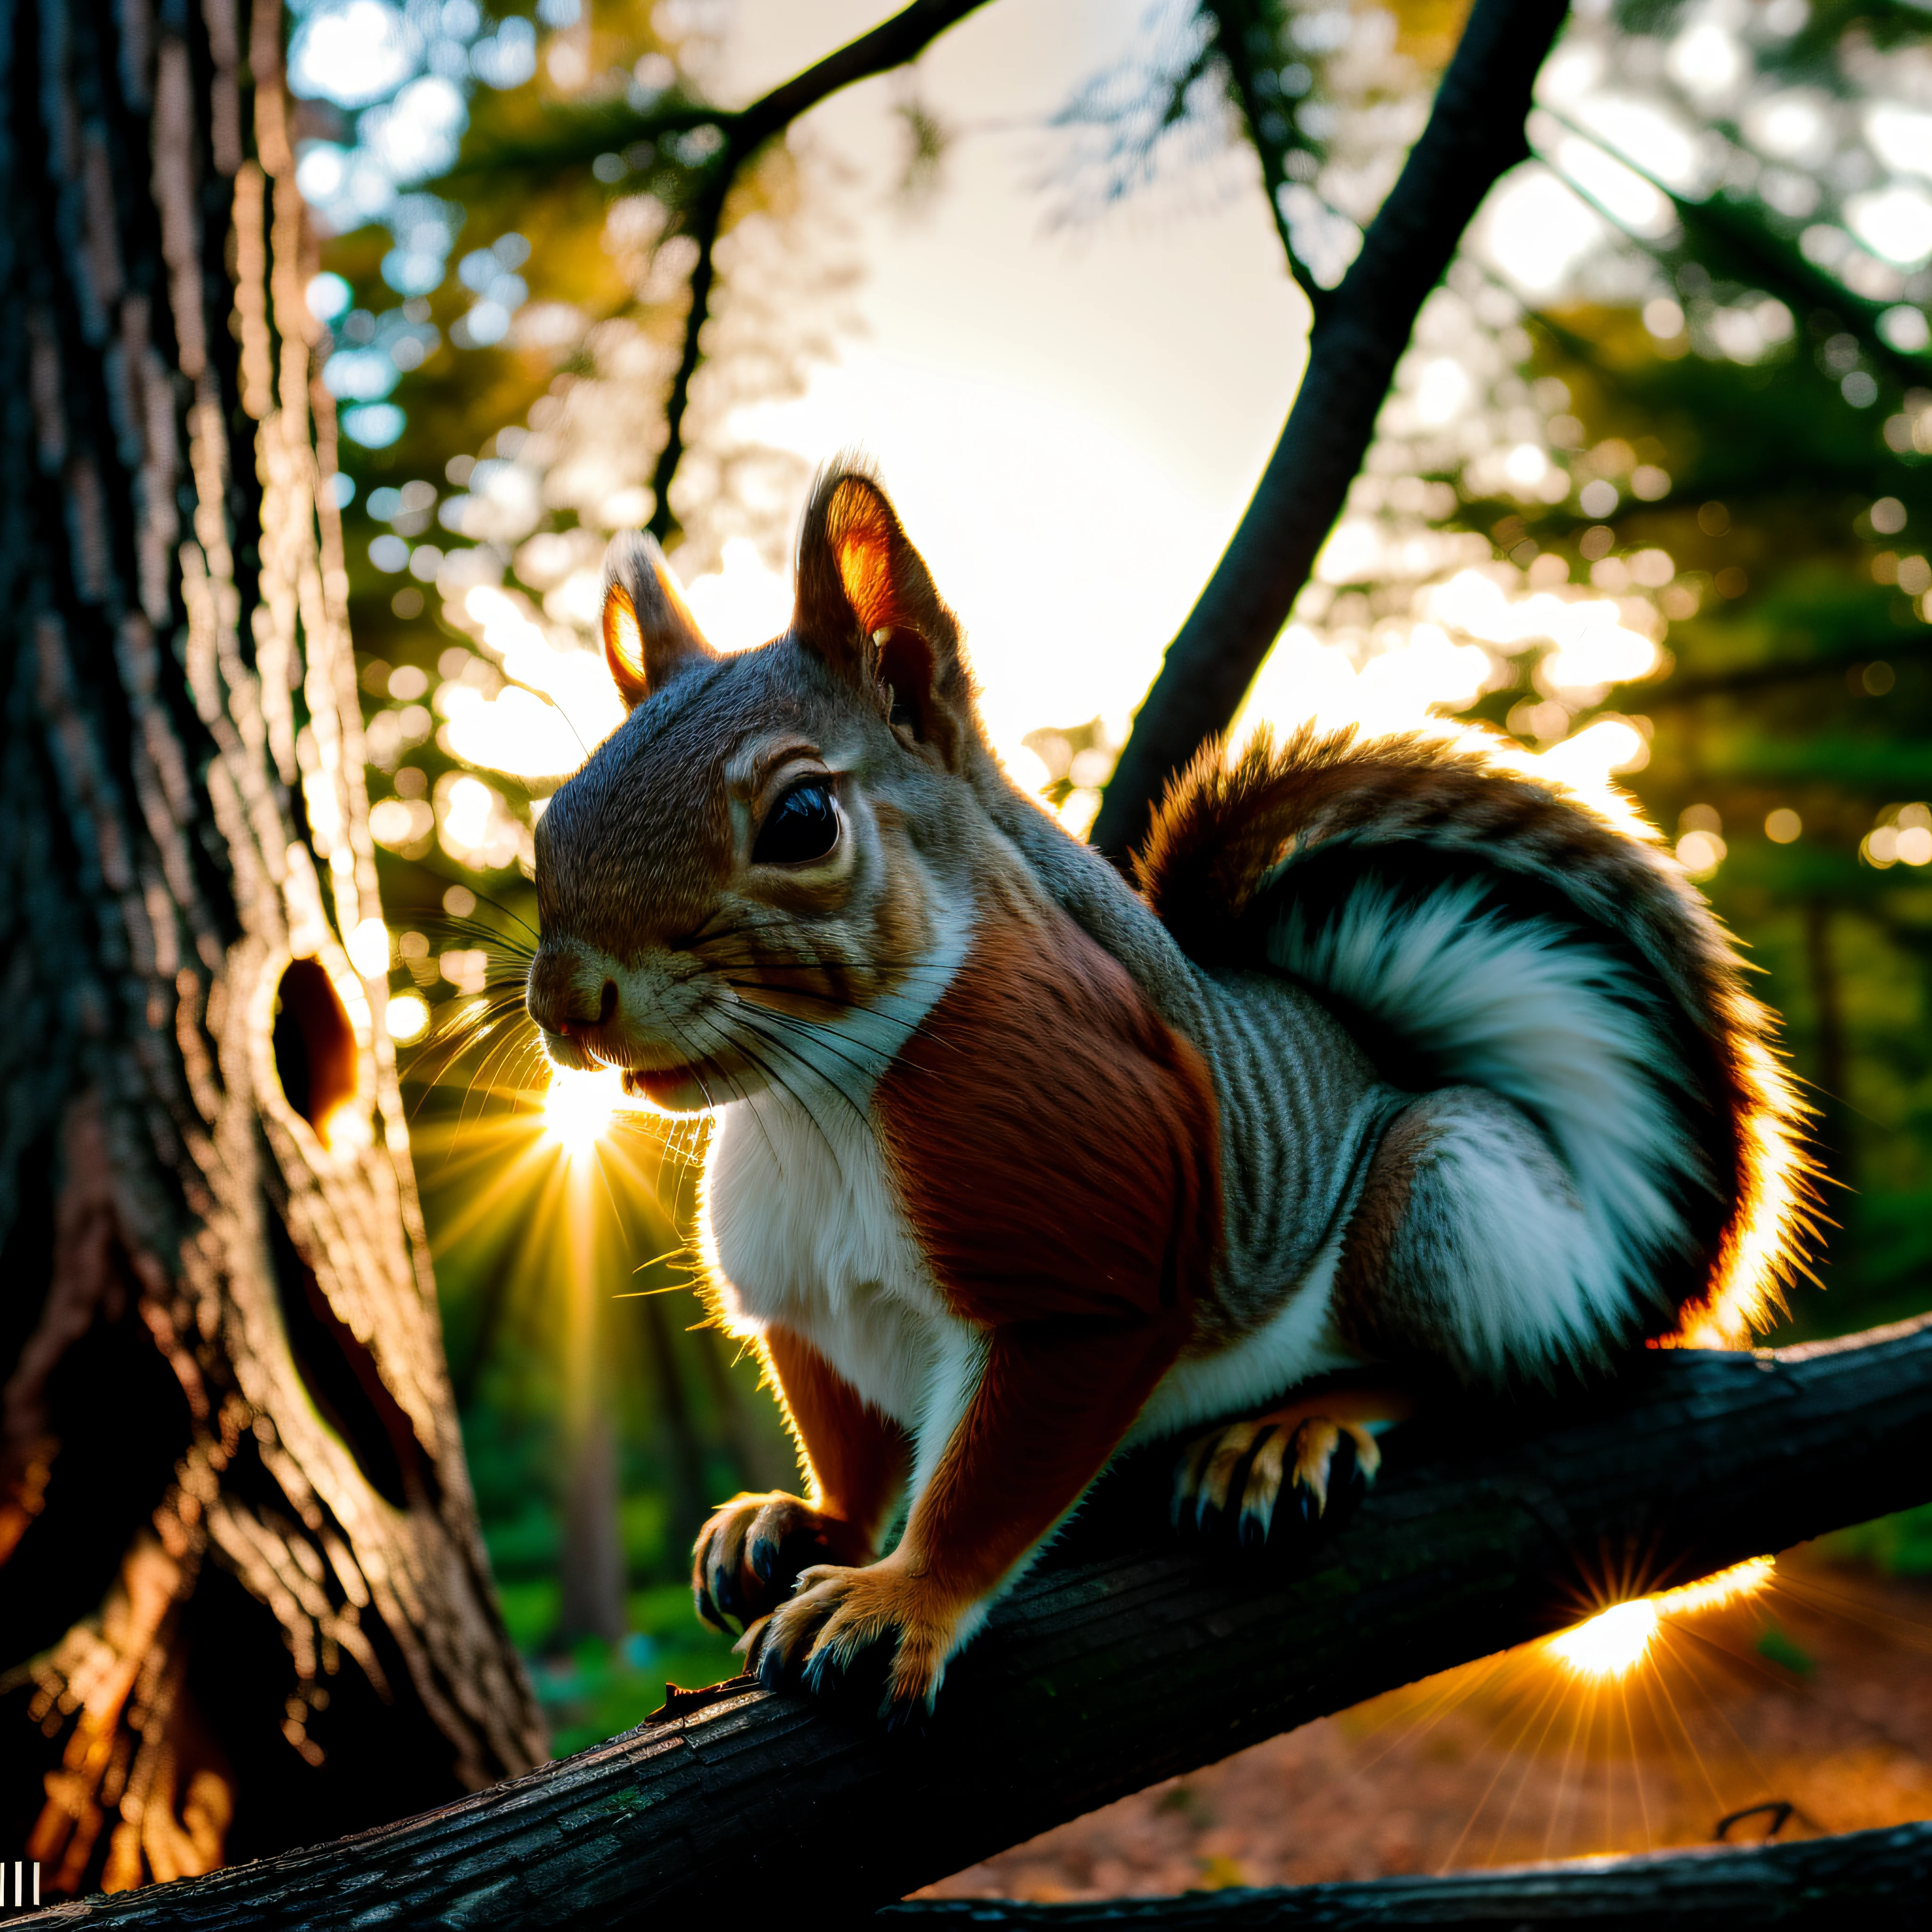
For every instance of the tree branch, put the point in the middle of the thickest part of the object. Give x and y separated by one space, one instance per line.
1475 133
1757 252
891 44
1870 1880
1124 1659
1231 18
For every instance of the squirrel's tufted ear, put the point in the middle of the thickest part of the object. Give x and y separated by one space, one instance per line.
649 635
866 604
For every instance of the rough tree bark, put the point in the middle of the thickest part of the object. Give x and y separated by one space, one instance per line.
1125 1659
1475 135
243 1599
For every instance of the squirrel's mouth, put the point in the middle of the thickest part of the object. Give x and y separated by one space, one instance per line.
695 1089
661 1085
696 1085
690 1088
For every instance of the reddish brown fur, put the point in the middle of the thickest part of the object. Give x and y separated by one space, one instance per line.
1054 1400
1055 1141
1055 1145
857 1456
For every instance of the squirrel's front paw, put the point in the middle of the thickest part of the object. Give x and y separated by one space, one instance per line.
749 1555
844 1628
1278 1482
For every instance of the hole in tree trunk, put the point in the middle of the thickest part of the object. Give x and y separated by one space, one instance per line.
315 1045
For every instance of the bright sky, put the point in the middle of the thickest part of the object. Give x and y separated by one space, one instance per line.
1070 424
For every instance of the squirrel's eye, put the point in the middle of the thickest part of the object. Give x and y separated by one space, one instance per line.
801 825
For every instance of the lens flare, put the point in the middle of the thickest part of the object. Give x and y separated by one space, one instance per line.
1613 1642
1616 1641
577 1108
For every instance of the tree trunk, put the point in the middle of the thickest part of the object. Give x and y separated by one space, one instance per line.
244 1602
1124 1659
591 1556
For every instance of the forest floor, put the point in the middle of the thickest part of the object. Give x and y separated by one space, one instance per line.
1816 1694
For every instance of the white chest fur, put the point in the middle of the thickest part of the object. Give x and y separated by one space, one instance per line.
799 1217
802 1226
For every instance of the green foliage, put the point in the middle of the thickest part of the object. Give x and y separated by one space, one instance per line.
1779 1648
598 1690
1894 1546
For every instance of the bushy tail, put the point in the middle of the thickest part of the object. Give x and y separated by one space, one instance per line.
1481 928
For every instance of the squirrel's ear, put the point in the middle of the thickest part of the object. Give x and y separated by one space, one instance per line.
866 604
649 635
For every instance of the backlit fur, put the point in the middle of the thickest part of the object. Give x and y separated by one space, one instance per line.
1492 929
1011 1165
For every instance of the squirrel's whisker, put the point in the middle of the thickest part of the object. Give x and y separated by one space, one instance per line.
821 1036
817 1028
785 1087
725 1073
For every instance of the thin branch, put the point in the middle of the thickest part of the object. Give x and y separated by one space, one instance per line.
705 214
1125 1658
1875 1880
1756 247
1229 16
891 43
1475 133
902 38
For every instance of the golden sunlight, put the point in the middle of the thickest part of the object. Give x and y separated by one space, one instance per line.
1618 1640
1613 1642
577 1109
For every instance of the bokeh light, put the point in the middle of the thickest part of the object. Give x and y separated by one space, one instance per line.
407 1018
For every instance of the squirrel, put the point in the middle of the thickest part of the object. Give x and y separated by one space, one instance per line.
1391 1054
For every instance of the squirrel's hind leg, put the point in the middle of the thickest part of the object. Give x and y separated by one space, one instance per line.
1278 1479
1471 1248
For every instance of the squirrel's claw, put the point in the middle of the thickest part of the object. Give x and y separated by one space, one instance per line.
873 1638
748 1557
1274 1482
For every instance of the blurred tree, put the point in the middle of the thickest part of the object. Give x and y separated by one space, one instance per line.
246 1604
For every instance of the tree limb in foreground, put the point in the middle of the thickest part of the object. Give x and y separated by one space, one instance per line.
1475 135
1124 1658
1874 1880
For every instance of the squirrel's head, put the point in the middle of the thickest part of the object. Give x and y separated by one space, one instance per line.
768 841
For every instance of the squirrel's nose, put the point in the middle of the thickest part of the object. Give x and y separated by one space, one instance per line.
568 993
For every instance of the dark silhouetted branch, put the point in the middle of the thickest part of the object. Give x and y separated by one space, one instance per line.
1872 1879
891 44
1124 1659
1474 134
